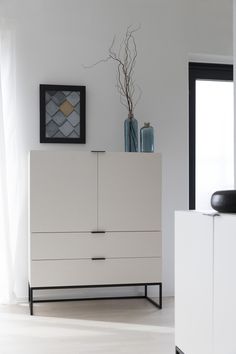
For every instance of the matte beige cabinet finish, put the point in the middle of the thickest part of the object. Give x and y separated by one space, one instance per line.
86 205
87 271
84 245
63 191
129 187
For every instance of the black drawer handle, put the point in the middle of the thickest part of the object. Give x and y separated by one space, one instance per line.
98 151
98 259
98 232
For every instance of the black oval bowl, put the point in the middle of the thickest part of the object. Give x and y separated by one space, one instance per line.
224 201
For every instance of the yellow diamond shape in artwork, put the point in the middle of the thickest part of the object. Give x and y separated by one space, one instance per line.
66 108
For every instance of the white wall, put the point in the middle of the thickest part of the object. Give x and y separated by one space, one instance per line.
54 38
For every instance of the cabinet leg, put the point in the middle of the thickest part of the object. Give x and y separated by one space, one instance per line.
160 295
178 351
31 301
159 305
28 293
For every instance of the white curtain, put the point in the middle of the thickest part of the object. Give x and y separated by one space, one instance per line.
9 166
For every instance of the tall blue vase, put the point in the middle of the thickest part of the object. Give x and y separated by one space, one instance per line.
131 134
146 138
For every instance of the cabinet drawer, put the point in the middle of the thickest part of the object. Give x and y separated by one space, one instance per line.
88 245
97 272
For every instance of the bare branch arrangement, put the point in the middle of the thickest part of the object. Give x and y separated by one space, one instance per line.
125 58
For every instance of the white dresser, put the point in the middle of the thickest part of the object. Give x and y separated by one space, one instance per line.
205 287
95 220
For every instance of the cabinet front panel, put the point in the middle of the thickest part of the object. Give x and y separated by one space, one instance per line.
87 245
193 282
224 284
88 272
63 191
129 192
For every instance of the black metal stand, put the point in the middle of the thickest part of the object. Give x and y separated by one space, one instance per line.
145 296
178 351
151 300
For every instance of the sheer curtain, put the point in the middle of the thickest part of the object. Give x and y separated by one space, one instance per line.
9 165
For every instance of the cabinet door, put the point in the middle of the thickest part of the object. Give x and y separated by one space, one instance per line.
225 285
63 191
194 282
129 192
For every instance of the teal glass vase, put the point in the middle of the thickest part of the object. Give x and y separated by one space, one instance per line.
131 134
147 138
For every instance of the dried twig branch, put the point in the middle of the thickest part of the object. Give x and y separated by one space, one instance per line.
125 59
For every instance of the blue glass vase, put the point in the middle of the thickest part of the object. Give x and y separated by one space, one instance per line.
131 134
147 138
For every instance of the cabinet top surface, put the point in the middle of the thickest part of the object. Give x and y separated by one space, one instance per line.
92 152
204 212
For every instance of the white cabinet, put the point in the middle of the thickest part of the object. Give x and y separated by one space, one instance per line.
89 272
84 245
225 284
205 292
129 192
95 219
63 191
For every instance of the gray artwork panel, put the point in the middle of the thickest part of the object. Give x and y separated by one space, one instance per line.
48 118
59 135
47 98
51 108
51 129
77 108
74 118
59 118
77 129
59 98
66 129
74 134
51 92
73 98
66 93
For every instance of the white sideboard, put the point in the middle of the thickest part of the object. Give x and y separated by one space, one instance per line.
95 220
205 288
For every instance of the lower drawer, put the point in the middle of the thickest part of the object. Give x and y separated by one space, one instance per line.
95 272
86 245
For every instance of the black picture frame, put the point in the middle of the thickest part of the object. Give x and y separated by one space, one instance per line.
62 114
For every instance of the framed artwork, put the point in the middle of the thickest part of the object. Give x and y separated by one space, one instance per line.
62 114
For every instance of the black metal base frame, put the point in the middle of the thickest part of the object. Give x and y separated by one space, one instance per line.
178 351
32 301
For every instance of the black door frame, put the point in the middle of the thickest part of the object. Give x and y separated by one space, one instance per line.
198 71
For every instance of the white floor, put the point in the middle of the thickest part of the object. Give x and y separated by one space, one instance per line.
107 327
